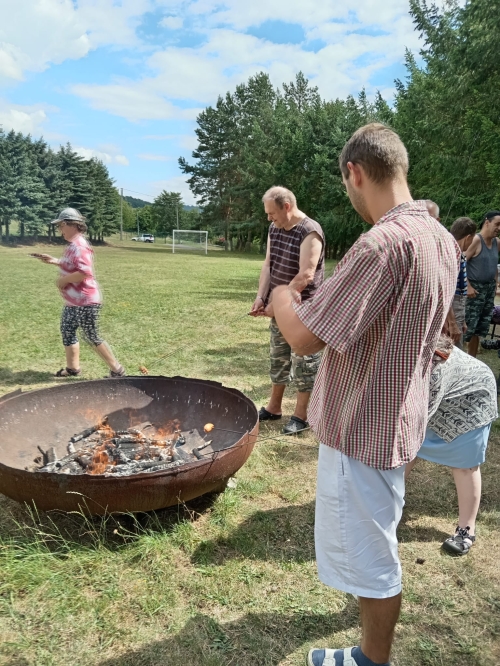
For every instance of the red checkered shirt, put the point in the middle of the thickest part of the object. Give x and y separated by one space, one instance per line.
380 315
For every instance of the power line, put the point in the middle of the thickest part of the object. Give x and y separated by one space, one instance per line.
151 196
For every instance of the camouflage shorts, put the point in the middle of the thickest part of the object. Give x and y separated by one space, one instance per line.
478 310
287 367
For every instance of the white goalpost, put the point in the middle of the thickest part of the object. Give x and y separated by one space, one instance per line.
185 239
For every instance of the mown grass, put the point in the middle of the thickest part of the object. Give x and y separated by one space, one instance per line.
227 579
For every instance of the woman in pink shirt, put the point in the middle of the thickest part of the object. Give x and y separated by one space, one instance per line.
81 295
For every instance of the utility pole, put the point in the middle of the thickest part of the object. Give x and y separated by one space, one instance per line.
177 214
121 213
137 218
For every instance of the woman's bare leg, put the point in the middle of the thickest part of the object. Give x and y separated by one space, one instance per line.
73 356
468 483
107 356
409 466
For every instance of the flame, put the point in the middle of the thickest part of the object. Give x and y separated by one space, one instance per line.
171 428
100 460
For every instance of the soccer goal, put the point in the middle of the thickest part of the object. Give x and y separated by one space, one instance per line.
193 241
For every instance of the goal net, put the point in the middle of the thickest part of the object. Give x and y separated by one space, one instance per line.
192 241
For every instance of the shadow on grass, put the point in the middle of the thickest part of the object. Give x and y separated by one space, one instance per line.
284 534
11 377
256 639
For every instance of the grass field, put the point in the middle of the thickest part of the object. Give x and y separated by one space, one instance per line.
224 580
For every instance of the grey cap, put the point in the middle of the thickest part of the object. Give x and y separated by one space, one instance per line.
69 214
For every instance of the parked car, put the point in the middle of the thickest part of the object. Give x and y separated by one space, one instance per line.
144 238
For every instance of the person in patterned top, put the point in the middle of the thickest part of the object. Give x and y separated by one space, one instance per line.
462 407
378 319
81 295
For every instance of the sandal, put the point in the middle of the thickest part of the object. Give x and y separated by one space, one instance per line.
317 657
118 373
67 372
459 543
264 415
295 425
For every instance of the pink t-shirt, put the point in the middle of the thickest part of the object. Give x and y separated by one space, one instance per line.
79 256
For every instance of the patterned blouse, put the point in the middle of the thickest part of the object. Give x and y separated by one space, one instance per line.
380 315
463 396
78 257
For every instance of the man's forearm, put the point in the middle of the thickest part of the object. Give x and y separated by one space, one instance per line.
302 279
264 282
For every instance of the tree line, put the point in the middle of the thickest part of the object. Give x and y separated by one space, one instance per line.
36 182
166 213
445 112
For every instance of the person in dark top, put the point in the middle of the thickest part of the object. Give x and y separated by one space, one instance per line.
463 231
295 257
482 271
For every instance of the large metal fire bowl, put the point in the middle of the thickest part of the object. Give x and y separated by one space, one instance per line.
49 417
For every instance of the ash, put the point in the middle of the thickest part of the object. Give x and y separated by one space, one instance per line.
100 450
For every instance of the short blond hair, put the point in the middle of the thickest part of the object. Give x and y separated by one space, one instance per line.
280 195
379 150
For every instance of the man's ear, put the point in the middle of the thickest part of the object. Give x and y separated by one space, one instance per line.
355 173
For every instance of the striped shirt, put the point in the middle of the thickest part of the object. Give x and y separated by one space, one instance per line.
380 315
461 289
284 250
79 257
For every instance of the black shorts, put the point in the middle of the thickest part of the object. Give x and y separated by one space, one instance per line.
83 316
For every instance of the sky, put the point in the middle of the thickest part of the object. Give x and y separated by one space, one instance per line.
124 80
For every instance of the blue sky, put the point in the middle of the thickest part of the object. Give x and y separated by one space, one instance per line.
124 79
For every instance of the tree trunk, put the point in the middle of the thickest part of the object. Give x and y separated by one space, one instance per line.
22 229
248 246
7 229
263 238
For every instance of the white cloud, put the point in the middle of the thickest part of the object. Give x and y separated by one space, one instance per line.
27 119
229 56
174 184
107 158
172 22
37 33
154 158
134 101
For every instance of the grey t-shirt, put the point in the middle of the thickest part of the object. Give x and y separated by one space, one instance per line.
483 268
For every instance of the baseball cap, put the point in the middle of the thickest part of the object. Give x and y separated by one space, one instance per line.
69 214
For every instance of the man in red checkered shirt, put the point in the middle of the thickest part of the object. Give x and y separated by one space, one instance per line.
378 319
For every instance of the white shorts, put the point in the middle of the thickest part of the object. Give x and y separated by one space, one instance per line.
358 509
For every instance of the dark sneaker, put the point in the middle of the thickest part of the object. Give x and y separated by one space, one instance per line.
460 543
490 344
118 373
295 425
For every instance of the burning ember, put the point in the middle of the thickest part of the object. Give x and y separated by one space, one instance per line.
100 450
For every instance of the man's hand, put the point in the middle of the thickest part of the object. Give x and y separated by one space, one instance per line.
471 292
296 290
257 308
